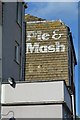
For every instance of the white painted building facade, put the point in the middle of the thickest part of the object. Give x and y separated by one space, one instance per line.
37 100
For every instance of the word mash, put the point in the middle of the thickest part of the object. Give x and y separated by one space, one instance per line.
39 36
36 48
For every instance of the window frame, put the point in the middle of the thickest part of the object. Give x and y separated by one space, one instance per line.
19 17
16 50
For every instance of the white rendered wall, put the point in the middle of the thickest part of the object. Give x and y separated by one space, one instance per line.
36 92
37 111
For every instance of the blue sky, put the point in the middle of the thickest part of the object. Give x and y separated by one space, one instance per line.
68 13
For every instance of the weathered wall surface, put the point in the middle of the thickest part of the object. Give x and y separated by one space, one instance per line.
46 51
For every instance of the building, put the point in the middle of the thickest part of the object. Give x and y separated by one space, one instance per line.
12 41
37 100
48 90
0 41
50 54
0 50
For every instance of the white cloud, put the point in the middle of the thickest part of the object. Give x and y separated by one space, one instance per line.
51 10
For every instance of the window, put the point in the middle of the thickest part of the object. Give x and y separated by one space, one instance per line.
19 13
16 52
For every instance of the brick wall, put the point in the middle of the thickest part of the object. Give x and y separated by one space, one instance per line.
51 64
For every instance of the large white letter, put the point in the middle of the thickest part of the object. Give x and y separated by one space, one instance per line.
51 48
43 49
45 36
55 35
57 46
39 35
34 48
62 48
30 34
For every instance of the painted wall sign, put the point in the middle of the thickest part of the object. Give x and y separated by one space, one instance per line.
39 36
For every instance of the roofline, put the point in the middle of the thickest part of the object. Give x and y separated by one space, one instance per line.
73 46
39 21
43 21
74 52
